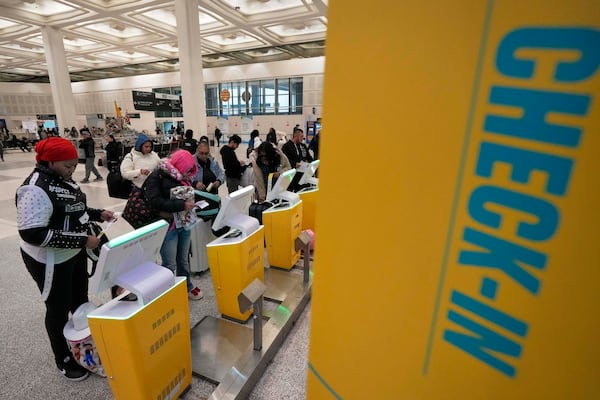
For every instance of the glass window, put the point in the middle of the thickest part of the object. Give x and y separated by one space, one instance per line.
296 88
255 98
212 99
268 96
283 96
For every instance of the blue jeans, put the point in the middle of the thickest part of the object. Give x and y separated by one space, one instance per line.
174 253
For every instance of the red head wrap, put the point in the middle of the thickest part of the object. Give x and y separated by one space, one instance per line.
55 149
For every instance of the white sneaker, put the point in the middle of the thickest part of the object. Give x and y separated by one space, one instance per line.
195 294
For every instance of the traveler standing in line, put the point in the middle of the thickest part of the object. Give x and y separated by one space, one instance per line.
269 159
314 145
297 152
87 144
254 136
140 161
175 171
114 153
233 166
52 218
189 143
209 172
272 136
218 136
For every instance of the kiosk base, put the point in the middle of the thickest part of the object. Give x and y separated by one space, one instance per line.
222 351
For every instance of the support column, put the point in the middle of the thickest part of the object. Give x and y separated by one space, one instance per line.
60 81
190 66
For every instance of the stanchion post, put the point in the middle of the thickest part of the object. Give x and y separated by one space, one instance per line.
252 296
302 242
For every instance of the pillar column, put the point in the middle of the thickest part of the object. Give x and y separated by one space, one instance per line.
60 81
190 66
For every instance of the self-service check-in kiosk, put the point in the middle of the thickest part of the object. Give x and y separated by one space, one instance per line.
145 344
237 257
283 223
308 194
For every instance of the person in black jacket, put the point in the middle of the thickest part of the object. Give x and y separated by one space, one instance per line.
296 152
87 144
52 218
172 173
233 166
114 153
189 143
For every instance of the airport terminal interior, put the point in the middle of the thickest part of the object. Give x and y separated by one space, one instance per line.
110 49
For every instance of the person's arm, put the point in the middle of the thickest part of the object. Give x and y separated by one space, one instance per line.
153 191
216 169
128 170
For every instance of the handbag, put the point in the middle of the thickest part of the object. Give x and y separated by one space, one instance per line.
138 211
118 187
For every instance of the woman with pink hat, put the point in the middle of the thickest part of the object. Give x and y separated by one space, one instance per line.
163 189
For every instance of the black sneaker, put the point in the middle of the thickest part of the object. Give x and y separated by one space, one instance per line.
71 370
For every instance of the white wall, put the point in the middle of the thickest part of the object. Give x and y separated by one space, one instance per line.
98 97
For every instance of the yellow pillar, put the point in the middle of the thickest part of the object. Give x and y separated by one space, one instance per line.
468 269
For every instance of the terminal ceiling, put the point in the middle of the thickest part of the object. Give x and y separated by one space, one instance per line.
115 38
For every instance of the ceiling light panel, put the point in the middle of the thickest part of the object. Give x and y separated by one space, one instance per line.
129 56
5 24
299 29
168 47
254 7
46 8
116 29
233 40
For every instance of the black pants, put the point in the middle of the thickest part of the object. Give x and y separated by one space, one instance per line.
69 291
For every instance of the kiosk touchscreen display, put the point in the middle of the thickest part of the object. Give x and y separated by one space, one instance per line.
283 182
309 172
125 253
235 204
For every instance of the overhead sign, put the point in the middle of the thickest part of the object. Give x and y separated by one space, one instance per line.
154 101
167 102
143 100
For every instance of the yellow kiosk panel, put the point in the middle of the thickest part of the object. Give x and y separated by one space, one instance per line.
145 350
234 263
474 274
309 208
282 227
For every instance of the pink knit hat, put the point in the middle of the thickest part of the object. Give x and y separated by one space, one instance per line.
183 160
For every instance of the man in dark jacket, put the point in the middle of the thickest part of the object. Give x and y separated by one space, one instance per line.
189 143
233 166
296 152
87 144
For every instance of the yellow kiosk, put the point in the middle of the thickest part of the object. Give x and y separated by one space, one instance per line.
237 257
145 344
283 223
308 194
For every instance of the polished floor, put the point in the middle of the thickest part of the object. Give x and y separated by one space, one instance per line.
27 370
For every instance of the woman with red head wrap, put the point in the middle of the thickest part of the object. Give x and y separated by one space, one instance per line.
52 217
